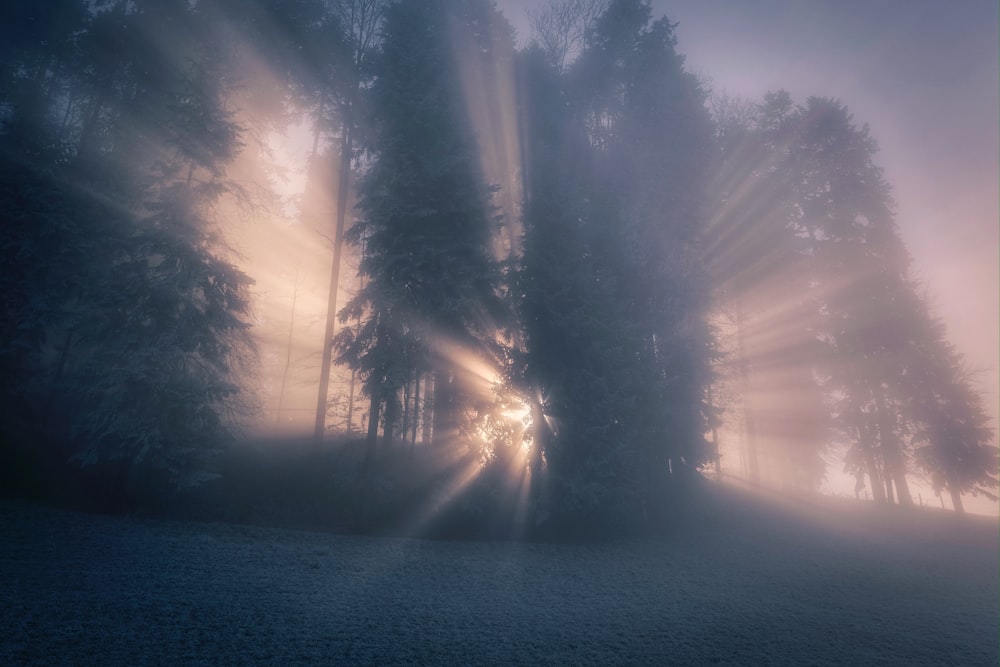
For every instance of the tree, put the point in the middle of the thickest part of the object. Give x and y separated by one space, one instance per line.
799 189
361 18
560 28
616 344
138 364
846 213
766 288
646 119
430 282
954 443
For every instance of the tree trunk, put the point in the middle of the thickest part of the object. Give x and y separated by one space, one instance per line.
404 426
389 428
89 126
428 410
371 442
751 424
344 178
956 497
539 441
288 352
878 491
895 472
444 418
350 402
716 454
416 410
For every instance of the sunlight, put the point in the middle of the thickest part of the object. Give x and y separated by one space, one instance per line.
767 336
462 472
488 84
286 248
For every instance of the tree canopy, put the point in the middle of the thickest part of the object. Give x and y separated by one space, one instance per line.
652 266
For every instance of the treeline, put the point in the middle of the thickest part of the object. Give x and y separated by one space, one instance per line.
575 230
125 326
833 335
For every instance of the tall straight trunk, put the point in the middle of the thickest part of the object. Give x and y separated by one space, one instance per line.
361 510
350 402
716 454
404 427
444 418
67 114
539 440
751 424
351 390
428 409
371 442
416 409
874 477
88 129
391 413
288 352
892 456
956 498
890 497
344 178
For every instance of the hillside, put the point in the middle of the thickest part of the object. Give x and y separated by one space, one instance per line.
751 581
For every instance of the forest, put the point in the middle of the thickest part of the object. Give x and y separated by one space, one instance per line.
559 271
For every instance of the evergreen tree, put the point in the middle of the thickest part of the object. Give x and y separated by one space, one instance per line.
426 220
766 287
847 310
617 347
954 443
846 213
136 319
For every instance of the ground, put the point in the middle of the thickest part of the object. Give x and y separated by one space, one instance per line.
751 582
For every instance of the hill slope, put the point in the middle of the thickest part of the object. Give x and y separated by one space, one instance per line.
752 581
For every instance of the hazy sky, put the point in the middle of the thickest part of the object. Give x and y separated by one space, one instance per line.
924 75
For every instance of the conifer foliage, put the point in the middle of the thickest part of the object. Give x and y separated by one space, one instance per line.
852 353
126 340
430 282
612 297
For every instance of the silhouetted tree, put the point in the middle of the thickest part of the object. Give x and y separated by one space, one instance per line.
360 20
763 273
804 194
133 318
561 28
954 443
617 349
426 220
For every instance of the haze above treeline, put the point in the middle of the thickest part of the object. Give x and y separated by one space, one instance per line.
568 281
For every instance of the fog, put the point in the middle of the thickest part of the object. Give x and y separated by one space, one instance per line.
656 332
575 283
943 180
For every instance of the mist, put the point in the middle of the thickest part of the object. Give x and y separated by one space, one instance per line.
642 309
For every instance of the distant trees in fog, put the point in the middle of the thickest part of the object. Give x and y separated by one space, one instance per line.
837 334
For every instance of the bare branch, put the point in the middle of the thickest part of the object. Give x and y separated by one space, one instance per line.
561 28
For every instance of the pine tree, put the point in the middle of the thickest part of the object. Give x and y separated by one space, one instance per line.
138 363
616 345
761 265
426 220
954 443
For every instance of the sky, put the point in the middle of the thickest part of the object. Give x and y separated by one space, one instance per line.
924 75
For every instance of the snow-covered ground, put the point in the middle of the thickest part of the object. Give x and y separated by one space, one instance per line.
751 582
